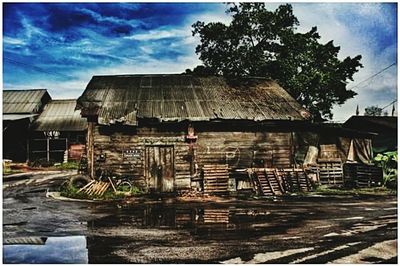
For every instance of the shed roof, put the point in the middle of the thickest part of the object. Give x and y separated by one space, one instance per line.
377 124
124 98
24 101
60 115
15 117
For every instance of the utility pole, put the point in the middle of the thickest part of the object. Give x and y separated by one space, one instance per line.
357 111
393 109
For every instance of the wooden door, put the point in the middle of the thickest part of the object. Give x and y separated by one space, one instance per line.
160 168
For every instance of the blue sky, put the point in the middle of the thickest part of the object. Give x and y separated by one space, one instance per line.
60 46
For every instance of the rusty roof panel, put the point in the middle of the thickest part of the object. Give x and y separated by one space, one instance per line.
24 101
60 115
181 97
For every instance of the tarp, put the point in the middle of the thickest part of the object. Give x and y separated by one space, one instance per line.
360 151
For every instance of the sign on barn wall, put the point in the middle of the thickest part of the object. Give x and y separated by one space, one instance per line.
132 153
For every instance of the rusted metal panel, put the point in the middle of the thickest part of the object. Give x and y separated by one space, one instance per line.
60 115
166 96
24 101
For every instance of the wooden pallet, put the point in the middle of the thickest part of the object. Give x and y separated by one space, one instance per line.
95 188
330 172
295 180
362 175
216 178
216 216
268 181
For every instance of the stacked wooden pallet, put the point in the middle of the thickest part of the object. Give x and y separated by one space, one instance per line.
362 175
216 178
330 172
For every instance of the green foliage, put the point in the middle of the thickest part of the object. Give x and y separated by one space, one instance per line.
373 111
70 191
136 191
68 166
323 190
42 162
388 161
9 171
6 168
263 43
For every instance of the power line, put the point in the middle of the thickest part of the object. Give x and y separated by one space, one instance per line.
374 75
389 104
36 68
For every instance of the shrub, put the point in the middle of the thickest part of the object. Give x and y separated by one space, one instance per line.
388 162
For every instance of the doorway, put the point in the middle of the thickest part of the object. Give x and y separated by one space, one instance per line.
160 168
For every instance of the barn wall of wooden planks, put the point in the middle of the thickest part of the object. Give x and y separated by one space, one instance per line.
135 151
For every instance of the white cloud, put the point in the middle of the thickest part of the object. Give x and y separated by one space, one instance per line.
349 25
13 41
99 18
160 33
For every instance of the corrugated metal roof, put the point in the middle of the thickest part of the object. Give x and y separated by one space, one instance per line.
14 117
24 101
60 115
182 97
372 123
30 240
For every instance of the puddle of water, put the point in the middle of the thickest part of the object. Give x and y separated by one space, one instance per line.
205 222
54 250
133 227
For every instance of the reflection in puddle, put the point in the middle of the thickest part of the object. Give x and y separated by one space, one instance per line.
168 233
131 233
200 221
71 249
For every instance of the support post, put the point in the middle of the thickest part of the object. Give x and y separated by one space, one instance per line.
48 149
90 149
27 150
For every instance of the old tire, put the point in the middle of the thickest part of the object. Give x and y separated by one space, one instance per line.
124 186
79 181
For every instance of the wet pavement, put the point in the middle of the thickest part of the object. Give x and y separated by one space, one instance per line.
342 229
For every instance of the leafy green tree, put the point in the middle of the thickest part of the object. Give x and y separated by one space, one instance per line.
264 43
373 111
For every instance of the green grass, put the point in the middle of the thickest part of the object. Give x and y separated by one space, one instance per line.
72 192
323 190
68 166
9 171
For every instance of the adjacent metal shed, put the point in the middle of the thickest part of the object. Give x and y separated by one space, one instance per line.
20 108
58 134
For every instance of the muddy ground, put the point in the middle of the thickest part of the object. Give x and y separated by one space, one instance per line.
315 229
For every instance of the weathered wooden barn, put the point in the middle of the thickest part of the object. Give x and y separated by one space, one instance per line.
59 133
20 108
167 131
180 132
